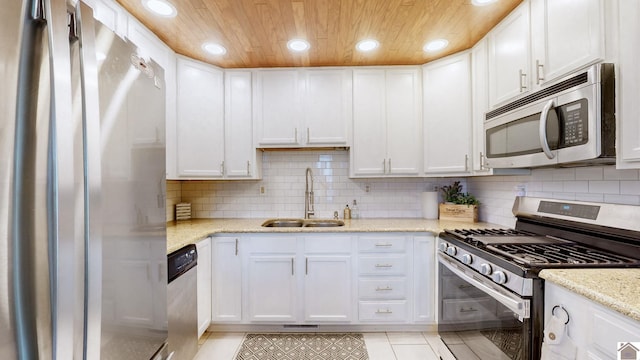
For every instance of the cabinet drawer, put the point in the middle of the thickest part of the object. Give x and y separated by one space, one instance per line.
468 310
382 288
387 311
383 265
454 287
381 244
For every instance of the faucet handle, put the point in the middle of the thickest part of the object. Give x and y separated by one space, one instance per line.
335 215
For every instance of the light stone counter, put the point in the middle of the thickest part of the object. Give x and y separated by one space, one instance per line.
186 232
618 289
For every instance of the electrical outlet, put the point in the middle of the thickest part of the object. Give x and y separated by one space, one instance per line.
263 190
367 188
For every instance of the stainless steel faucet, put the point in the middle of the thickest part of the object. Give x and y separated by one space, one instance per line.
308 195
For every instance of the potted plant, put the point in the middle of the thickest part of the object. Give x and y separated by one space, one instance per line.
457 204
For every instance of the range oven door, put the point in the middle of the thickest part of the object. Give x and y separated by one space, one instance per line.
478 319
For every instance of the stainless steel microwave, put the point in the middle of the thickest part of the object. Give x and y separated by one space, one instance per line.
571 122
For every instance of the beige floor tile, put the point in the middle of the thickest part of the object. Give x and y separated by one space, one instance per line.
414 352
378 346
406 338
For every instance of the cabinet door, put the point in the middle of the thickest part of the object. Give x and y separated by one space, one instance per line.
277 108
200 127
628 127
327 289
327 106
447 115
509 54
273 290
479 105
240 152
424 275
369 151
566 35
403 113
226 274
204 285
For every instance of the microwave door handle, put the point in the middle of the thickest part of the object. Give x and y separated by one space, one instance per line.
543 130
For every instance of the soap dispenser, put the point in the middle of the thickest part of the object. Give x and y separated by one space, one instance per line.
355 214
347 212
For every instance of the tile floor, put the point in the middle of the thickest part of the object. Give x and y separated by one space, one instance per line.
380 346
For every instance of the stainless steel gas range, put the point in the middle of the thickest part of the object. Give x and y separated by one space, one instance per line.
491 300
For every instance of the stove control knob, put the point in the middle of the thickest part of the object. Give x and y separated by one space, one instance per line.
499 277
485 269
443 246
467 259
451 250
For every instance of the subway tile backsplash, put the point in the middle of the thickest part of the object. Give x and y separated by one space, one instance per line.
596 184
284 184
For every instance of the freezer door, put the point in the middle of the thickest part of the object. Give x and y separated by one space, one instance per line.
37 235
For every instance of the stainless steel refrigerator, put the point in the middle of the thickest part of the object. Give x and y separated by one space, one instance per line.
82 184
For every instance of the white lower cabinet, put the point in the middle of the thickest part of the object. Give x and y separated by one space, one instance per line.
326 278
272 287
595 329
203 247
226 277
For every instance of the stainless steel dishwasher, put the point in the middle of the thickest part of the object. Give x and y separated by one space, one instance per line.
182 303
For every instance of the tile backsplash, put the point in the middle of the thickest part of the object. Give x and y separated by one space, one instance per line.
284 185
598 184
283 182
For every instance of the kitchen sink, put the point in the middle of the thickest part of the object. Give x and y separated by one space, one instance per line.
302 223
323 223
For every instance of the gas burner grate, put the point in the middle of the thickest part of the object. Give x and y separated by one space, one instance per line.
464 233
559 254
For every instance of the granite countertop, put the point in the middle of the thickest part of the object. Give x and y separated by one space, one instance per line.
617 289
184 232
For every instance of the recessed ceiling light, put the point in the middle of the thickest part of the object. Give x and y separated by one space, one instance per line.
482 2
298 45
435 45
160 7
214 49
367 45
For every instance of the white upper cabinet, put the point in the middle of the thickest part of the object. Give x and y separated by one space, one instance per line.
241 160
302 108
327 106
480 105
200 121
542 41
277 108
447 115
509 54
628 82
565 35
386 122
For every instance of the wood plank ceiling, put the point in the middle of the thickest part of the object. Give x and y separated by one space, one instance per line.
255 32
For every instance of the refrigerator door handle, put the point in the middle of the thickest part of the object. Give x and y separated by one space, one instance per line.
82 31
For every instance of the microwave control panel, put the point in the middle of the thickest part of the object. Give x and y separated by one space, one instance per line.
574 118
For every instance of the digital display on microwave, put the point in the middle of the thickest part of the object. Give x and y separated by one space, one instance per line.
566 127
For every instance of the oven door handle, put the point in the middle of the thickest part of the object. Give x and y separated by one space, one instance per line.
517 305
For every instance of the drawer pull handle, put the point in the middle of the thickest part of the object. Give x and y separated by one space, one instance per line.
381 311
388 288
384 265
463 310
384 245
